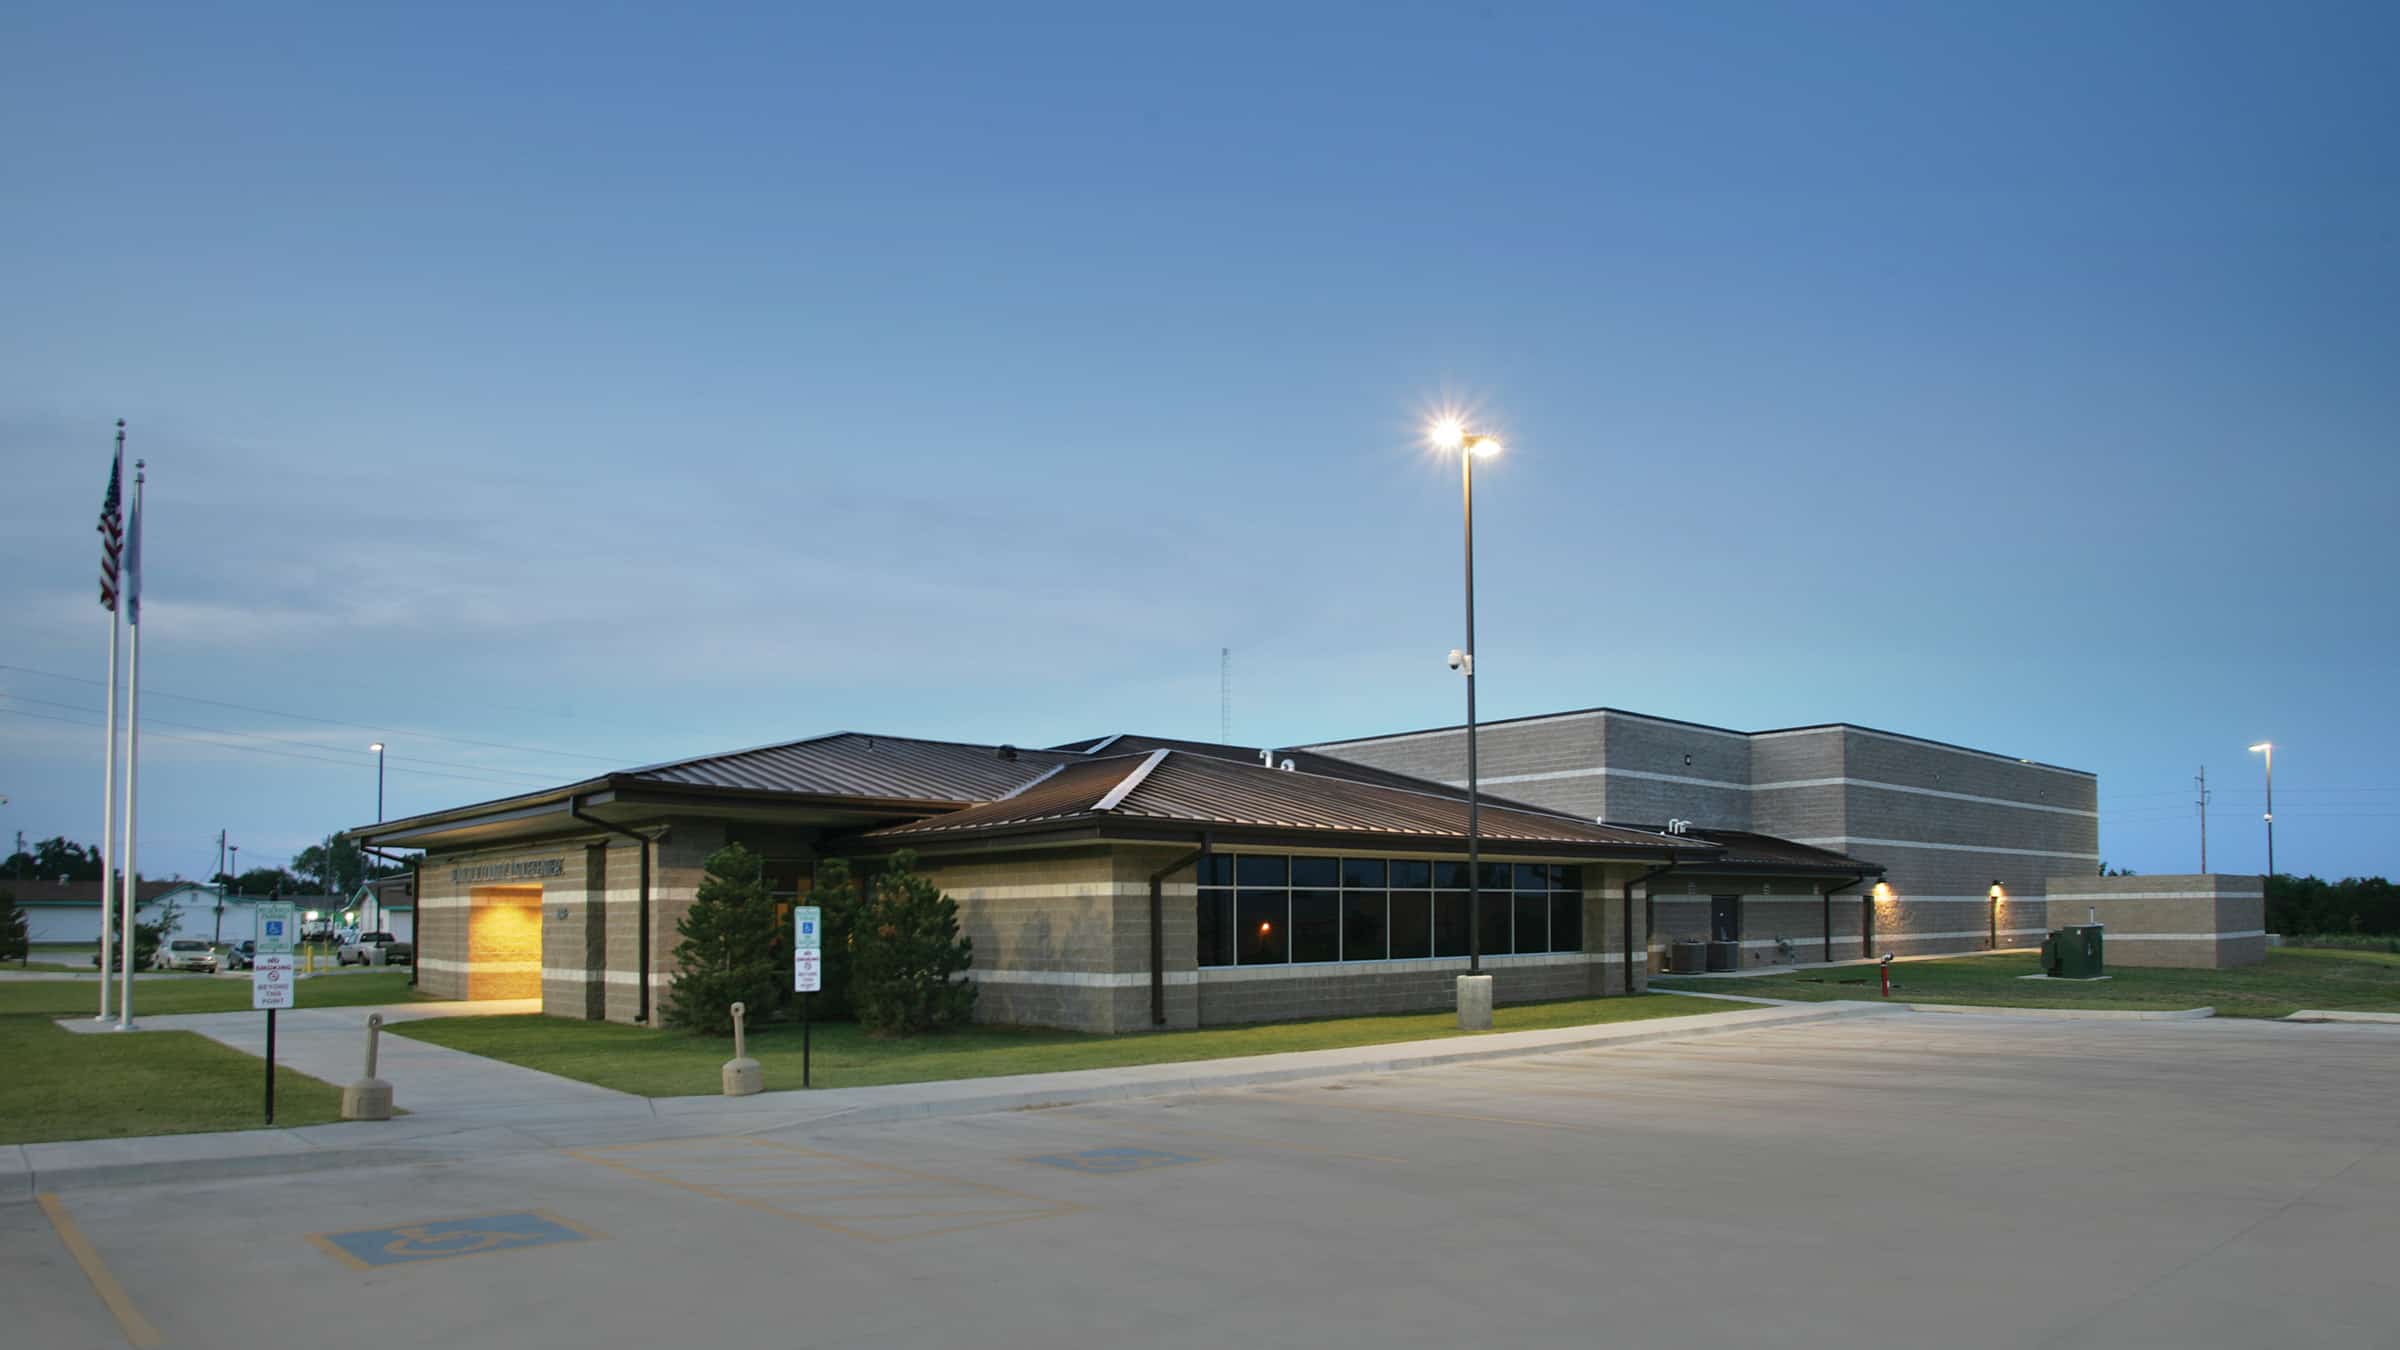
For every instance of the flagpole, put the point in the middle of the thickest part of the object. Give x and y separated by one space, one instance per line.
131 890
108 766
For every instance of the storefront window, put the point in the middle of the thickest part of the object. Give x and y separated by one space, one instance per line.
1273 909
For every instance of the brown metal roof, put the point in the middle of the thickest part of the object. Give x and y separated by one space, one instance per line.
1306 761
1748 852
853 764
1168 786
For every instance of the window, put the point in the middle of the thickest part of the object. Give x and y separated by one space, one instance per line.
1316 923
1363 927
1412 925
1269 909
1263 937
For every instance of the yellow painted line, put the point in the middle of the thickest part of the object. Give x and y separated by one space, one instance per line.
136 1327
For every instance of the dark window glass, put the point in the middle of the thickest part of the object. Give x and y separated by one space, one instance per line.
1216 928
1262 933
1412 925
1366 873
1566 922
1449 923
1495 876
1263 870
1216 869
1567 879
1410 874
1316 872
1362 926
1532 876
1316 926
1449 876
1533 922
1495 923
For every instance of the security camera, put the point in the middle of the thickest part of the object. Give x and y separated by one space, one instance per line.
1457 658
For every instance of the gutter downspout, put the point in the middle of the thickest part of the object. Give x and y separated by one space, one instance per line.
641 1015
1158 936
1643 880
1859 880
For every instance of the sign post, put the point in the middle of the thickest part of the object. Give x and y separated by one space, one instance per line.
271 974
808 968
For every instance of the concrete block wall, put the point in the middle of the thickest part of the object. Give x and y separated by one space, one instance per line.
457 959
1045 924
1945 821
2206 921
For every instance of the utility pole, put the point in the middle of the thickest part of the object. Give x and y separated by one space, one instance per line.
1224 697
220 884
2203 805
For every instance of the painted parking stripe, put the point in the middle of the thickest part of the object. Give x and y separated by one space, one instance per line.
137 1328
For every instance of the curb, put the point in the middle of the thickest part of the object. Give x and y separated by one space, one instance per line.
2338 1015
1038 1098
2068 1014
796 1110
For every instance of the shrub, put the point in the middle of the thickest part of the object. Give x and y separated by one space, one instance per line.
732 949
904 952
13 943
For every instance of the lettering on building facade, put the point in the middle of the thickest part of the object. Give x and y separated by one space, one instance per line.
521 869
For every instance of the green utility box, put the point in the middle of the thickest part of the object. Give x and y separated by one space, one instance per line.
2073 953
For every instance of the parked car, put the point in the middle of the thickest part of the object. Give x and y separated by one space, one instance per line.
362 952
186 954
241 956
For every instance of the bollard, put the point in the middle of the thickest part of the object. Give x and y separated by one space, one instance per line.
370 1098
742 1075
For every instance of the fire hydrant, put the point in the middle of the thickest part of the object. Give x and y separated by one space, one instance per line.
370 1098
742 1074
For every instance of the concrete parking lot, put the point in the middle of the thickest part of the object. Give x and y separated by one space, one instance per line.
1907 1180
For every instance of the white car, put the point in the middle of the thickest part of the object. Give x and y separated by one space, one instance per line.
186 954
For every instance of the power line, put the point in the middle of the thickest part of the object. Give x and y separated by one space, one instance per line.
364 757
279 754
329 721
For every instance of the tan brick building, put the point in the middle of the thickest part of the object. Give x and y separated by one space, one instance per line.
1115 885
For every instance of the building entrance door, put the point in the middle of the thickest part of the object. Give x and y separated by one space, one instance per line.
1725 918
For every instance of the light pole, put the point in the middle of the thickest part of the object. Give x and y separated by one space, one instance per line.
377 747
2267 748
1452 434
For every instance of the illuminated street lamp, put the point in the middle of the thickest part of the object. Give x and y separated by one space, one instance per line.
2267 748
1451 434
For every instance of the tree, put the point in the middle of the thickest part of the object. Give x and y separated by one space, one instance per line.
268 881
905 954
732 949
13 942
53 858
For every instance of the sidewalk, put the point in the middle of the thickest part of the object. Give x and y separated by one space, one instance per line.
463 1105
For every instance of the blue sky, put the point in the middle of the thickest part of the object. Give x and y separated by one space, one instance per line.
619 384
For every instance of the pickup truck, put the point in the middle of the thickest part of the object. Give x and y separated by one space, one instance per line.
363 951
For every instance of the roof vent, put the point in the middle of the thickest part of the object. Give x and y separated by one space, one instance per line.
1288 766
1008 752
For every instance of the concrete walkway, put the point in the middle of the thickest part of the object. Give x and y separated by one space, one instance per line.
465 1106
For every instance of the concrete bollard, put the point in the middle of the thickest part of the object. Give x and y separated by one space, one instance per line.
742 1074
1474 1003
370 1098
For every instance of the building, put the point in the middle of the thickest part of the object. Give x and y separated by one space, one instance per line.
1118 884
386 905
61 912
1968 839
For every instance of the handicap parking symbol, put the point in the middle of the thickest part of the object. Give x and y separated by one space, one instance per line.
366 1248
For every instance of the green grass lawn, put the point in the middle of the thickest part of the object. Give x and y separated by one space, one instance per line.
673 1064
198 993
2291 979
59 1085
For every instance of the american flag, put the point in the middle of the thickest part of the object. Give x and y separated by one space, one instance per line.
112 527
